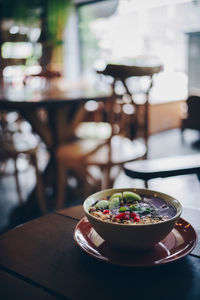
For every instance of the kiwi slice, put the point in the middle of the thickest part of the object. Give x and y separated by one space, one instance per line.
102 204
130 197
114 203
117 195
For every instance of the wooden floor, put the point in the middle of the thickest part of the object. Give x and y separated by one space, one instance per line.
168 143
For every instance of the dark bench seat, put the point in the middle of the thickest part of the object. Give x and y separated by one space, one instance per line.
163 167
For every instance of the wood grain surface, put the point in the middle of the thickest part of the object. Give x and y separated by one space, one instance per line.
41 258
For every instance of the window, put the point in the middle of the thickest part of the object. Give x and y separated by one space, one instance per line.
142 32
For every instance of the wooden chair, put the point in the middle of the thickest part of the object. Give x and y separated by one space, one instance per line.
12 147
163 167
135 122
81 155
105 154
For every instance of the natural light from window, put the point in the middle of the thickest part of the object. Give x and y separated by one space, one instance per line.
142 32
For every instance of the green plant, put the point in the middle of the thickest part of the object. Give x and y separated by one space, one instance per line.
52 14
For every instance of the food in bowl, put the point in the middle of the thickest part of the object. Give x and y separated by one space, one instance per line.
130 208
132 234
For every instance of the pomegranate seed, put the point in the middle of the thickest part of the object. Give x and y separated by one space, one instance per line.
136 219
133 215
120 216
106 211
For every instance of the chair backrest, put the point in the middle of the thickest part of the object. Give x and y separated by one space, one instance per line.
122 72
132 118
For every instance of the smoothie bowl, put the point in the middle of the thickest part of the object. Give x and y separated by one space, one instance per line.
132 219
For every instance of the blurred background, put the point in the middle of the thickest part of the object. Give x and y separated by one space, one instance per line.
50 47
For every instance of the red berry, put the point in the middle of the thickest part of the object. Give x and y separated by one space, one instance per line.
133 215
120 216
136 219
106 211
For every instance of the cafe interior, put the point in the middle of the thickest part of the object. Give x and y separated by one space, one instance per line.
95 95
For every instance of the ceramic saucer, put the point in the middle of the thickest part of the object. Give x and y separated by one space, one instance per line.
178 243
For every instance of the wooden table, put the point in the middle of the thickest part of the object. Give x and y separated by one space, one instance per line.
64 108
53 113
40 260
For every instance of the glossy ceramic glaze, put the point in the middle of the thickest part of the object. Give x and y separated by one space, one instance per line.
132 237
177 244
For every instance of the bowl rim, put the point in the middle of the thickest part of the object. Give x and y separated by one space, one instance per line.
136 190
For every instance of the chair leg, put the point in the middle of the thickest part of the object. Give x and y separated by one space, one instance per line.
146 184
17 182
107 182
86 184
61 185
39 186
